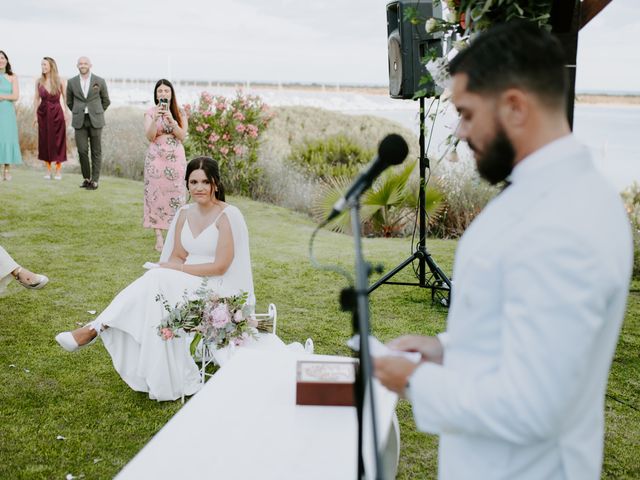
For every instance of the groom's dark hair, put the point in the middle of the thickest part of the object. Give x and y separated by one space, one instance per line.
211 170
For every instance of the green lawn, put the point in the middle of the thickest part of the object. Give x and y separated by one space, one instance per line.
91 245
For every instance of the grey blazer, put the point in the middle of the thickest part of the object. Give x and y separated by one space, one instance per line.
96 101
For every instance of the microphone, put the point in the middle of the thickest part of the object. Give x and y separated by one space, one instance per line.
391 151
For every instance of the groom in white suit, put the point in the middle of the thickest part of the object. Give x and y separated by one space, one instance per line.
515 387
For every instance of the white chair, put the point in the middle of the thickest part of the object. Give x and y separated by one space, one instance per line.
205 349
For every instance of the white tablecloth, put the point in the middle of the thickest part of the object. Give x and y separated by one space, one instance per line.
245 424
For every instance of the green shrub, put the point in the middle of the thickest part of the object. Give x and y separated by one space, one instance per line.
228 130
388 208
332 157
631 198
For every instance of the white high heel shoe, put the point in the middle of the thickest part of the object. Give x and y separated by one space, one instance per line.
67 341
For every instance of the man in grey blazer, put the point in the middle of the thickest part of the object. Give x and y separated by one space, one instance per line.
88 98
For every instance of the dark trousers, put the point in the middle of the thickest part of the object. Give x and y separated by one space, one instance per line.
84 136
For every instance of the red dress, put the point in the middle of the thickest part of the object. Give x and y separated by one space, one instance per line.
52 130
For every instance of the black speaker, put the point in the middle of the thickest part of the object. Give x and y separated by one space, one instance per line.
408 43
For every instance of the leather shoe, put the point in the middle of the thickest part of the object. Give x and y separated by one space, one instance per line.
92 186
85 184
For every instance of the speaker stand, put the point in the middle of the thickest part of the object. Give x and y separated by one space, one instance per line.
436 279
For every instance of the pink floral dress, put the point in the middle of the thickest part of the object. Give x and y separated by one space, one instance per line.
164 184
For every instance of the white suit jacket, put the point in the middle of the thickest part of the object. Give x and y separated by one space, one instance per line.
540 286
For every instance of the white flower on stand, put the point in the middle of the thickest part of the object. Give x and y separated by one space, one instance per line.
460 45
438 69
431 25
452 17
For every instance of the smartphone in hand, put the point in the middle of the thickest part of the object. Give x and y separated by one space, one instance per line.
163 105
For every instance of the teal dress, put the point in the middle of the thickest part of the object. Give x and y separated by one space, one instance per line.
9 143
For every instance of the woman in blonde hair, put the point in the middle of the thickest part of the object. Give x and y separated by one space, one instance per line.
51 117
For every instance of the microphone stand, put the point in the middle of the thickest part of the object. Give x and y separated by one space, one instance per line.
357 301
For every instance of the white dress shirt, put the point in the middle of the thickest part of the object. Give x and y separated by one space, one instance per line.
540 286
85 84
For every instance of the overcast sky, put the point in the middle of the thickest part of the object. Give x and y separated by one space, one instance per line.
309 41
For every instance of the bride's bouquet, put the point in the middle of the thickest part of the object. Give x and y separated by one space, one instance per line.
218 321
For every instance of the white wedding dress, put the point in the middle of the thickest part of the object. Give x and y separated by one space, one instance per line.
165 369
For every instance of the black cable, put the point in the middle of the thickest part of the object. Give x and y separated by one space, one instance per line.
327 268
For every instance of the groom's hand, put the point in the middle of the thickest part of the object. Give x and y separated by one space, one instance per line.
394 373
429 347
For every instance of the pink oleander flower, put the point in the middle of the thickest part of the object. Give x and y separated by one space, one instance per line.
252 130
238 116
240 128
214 137
237 317
220 316
224 150
238 149
199 129
166 333
220 106
226 137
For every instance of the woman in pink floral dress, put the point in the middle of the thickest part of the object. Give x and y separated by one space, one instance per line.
165 162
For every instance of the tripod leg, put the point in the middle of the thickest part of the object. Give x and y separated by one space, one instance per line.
391 273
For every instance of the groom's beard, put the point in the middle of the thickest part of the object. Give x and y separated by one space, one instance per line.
496 162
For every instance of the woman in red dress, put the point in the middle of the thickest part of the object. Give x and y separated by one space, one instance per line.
51 116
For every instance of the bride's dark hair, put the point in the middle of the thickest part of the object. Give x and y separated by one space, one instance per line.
211 170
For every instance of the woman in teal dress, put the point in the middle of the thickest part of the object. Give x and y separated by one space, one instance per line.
9 93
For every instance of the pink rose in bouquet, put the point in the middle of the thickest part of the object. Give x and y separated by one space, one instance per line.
166 333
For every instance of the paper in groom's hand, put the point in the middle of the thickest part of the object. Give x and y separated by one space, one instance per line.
379 349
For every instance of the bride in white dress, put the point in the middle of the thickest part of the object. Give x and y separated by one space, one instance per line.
207 239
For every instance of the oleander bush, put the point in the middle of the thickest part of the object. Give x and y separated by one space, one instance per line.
228 130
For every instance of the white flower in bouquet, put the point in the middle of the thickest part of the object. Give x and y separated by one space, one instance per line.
452 16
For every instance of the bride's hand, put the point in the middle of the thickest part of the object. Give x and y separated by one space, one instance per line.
172 265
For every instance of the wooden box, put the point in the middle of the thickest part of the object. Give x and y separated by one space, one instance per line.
325 383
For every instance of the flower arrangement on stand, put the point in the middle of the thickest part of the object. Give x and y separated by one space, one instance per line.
228 130
460 21
218 321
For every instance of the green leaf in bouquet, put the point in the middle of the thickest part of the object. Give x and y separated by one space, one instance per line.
194 343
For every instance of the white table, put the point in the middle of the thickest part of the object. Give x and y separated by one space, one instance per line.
245 424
